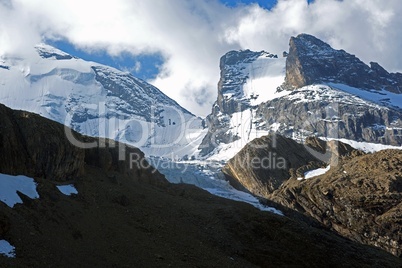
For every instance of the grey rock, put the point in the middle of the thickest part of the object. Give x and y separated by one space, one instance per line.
311 60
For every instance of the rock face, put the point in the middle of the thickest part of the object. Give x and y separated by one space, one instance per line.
130 216
236 68
312 61
318 91
326 112
237 94
37 147
265 163
359 197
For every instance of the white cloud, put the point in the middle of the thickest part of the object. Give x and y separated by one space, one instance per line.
193 35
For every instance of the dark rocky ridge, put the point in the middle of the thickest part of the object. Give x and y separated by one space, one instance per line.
132 217
37 147
359 198
312 61
264 164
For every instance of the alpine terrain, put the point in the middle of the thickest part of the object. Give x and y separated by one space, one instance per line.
312 90
97 100
74 207
98 167
328 121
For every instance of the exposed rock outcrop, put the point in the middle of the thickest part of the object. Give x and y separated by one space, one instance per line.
327 112
38 147
236 69
266 163
312 61
360 197
312 98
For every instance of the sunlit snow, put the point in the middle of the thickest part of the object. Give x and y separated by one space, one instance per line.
265 75
205 175
366 146
381 97
98 100
316 172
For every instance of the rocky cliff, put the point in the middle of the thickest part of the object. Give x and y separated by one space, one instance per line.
324 111
266 163
312 61
360 199
122 216
242 87
37 147
314 90
358 195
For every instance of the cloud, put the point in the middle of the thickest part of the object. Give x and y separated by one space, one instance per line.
192 35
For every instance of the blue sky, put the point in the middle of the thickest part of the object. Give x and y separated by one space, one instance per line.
145 66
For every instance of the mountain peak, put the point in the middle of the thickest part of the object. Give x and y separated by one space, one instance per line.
312 61
310 45
47 52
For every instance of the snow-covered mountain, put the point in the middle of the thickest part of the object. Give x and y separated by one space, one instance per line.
312 90
98 100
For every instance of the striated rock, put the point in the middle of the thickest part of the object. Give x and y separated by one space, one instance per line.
37 147
326 112
312 61
265 163
360 197
237 69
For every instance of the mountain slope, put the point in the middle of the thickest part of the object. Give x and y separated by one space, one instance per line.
97 100
129 217
357 195
247 80
315 90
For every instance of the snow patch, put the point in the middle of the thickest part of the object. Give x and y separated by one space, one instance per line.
317 172
265 75
314 173
9 185
242 125
7 249
380 97
67 189
366 147
205 175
